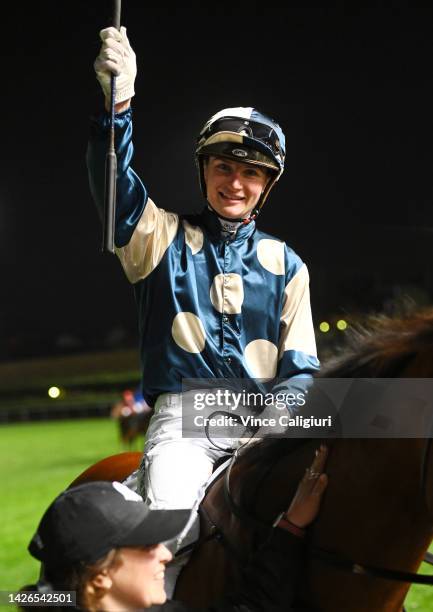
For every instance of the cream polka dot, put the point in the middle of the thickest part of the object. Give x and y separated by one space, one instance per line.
270 254
188 332
297 331
193 237
261 357
227 293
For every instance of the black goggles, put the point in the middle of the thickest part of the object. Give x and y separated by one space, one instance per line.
258 131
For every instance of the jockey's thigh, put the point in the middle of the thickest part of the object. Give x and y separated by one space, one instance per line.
175 472
175 468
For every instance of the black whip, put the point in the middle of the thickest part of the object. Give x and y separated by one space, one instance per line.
111 161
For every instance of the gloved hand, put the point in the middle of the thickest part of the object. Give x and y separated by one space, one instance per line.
116 57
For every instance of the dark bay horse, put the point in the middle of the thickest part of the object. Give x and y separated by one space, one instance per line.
377 510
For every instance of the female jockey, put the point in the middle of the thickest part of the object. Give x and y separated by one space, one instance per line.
217 298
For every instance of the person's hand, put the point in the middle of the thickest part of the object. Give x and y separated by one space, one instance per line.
306 502
116 57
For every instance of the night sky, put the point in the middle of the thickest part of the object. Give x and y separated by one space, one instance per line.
350 87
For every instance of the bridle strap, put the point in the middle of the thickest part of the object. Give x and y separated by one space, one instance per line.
235 508
323 555
336 560
328 557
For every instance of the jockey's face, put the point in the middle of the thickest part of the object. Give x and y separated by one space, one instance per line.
233 188
137 581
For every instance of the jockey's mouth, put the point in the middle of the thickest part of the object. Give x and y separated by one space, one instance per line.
231 197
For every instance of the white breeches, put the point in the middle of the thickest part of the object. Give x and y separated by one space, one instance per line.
174 470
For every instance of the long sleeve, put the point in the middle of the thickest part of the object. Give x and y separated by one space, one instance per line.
131 193
297 344
143 232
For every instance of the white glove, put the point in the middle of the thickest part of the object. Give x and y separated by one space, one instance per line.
116 57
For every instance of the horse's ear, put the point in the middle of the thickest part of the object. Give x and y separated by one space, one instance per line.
117 467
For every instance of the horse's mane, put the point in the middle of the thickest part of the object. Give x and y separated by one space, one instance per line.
380 347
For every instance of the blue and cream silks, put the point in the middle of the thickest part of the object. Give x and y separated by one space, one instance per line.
209 306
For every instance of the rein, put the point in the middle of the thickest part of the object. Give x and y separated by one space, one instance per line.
336 560
236 509
326 556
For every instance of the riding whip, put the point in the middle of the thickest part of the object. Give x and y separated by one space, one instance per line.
111 160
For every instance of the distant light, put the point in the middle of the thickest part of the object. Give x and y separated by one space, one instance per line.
324 327
54 392
341 325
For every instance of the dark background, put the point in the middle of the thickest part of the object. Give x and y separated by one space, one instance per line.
350 86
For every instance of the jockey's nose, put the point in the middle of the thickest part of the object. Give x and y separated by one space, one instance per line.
235 181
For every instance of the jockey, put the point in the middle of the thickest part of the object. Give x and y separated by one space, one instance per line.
216 297
100 540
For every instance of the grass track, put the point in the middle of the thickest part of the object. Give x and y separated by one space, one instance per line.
39 460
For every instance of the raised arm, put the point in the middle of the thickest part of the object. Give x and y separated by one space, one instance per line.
142 231
116 56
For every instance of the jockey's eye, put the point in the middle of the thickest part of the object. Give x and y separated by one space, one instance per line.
252 172
224 167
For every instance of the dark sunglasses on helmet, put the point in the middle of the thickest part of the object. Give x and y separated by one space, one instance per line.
258 131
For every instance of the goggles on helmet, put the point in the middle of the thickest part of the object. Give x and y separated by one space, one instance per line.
255 135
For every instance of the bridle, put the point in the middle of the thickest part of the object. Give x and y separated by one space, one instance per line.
327 557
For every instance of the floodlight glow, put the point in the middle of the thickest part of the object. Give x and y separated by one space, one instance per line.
324 327
54 392
341 325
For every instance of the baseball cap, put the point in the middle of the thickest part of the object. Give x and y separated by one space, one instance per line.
85 522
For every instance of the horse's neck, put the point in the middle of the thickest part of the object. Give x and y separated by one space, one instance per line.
374 485
373 513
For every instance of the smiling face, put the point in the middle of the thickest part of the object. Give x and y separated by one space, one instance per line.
233 188
137 581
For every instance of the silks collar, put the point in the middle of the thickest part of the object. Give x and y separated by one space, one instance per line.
240 221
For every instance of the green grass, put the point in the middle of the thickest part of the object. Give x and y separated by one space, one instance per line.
39 460
420 596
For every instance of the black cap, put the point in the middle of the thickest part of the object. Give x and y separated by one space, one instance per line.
86 522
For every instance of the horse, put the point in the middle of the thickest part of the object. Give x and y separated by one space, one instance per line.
376 518
132 415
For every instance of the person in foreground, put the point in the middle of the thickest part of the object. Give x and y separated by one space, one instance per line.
101 540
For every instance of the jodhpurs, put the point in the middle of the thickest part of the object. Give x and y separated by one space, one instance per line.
174 470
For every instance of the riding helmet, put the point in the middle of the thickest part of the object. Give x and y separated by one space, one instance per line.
243 134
